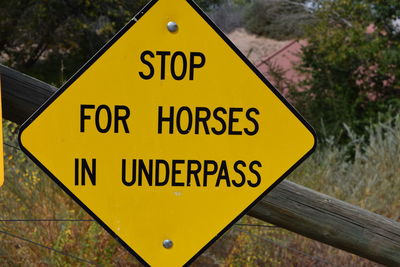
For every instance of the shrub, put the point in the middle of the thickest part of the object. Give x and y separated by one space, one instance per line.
275 19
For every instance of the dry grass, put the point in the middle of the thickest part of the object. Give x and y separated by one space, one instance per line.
365 173
370 180
29 194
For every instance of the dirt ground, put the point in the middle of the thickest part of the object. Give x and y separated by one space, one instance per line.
255 47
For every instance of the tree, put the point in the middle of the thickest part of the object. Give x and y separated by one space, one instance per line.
208 4
52 39
351 64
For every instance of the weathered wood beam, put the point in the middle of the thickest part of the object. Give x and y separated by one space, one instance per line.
21 94
331 221
289 205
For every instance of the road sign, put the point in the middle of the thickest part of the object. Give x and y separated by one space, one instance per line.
1 143
168 135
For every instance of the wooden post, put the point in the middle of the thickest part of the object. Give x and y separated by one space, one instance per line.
22 94
289 205
331 221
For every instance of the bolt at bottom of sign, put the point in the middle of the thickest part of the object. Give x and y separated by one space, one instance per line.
168 243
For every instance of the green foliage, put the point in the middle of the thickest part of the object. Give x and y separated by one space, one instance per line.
52 39
281 20
229 15
352 65
208 4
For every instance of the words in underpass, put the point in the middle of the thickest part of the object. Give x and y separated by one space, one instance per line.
172 120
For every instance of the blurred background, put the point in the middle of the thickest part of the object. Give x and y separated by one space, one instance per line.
336 61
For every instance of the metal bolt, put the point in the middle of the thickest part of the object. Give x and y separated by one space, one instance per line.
167 243
172 26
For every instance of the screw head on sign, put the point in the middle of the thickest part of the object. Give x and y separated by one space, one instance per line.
172 26
167 243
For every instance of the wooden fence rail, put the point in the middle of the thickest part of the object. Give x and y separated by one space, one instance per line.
289 205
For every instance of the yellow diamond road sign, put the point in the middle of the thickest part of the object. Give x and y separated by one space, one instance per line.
168 135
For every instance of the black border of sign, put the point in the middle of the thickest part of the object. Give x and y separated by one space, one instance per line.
101 52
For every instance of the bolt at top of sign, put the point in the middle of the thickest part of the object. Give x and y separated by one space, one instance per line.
172 26
168 135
